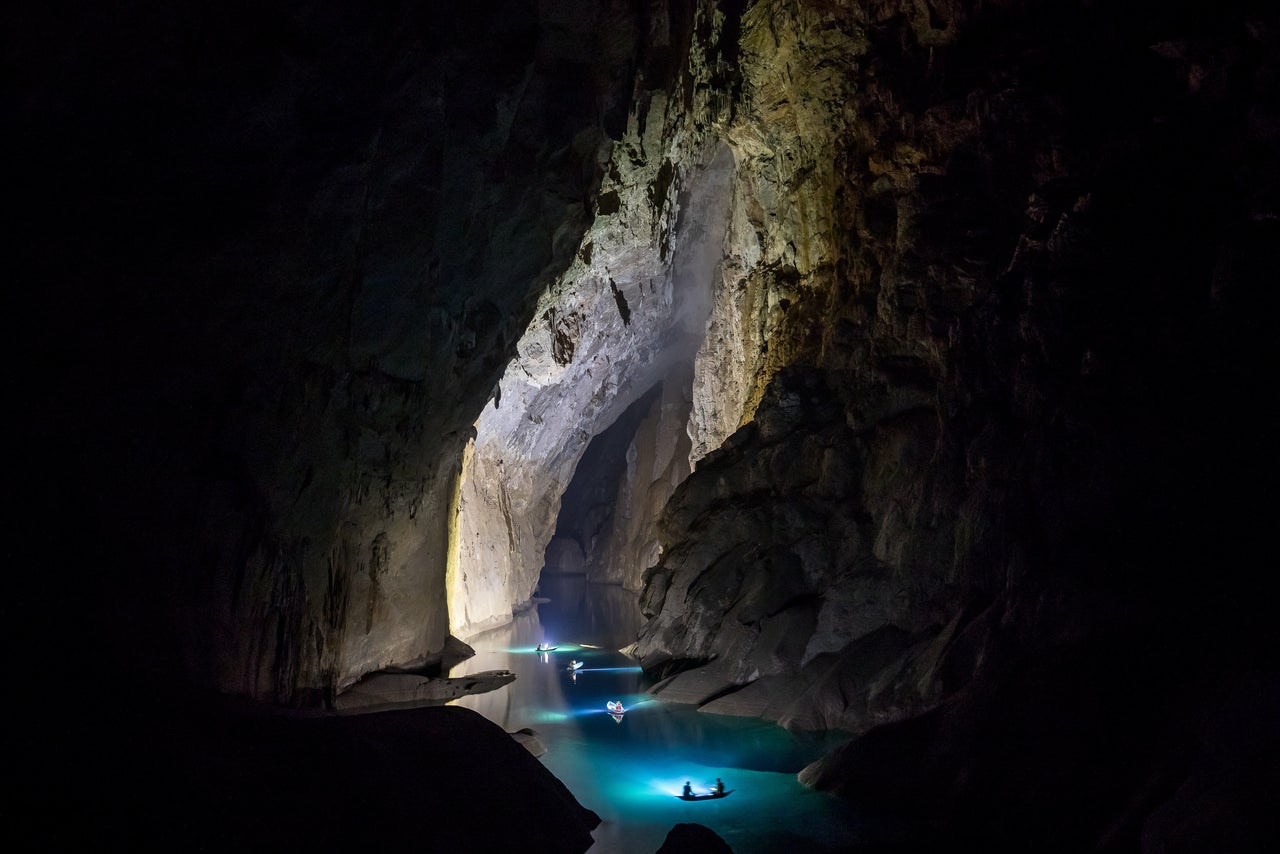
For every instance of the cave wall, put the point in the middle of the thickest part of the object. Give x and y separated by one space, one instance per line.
972 405
956 249
1000 273
606 528
628 311
656 462
281 254
975 409
590 507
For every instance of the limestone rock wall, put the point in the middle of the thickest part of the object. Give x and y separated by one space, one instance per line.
320 305
606 529
628 311
657 461
304 242
979 278
800 126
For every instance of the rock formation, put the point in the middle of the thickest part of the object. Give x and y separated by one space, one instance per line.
294 263
241 779
693 838
990 274
381 691
939 325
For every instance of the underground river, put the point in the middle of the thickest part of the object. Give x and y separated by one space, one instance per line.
630 770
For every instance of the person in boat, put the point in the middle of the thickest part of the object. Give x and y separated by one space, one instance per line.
688 790
719 789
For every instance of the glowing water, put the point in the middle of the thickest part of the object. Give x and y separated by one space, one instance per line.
631 770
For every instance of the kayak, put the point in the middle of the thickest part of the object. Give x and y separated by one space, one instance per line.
614 707
574 665
710 796
544 648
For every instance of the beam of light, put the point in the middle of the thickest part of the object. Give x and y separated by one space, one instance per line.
628 707
548 717
529 648
635 669
585 712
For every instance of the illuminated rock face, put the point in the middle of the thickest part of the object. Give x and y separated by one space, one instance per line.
626 315
954 308
976 278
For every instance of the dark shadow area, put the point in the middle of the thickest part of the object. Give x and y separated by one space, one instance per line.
203 776
590 501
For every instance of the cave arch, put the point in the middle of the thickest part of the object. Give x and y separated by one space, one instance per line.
581 365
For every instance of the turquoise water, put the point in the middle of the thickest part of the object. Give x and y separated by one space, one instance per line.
631 770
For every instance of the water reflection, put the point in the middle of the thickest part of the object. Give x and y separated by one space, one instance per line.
630 767
604 615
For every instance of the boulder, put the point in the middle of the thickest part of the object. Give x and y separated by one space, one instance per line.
693 839
528 739
188 778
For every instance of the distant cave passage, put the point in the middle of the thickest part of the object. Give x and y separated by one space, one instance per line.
527 497
596 505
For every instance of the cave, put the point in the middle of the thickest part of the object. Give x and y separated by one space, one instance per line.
900 364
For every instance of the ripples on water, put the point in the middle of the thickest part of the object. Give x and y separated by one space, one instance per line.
631 770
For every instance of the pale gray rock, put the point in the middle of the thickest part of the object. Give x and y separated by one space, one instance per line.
625 316
381 691
564 555
528 739
692 686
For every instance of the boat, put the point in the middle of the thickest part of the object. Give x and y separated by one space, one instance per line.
709 796
544 648
614 707
574 665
